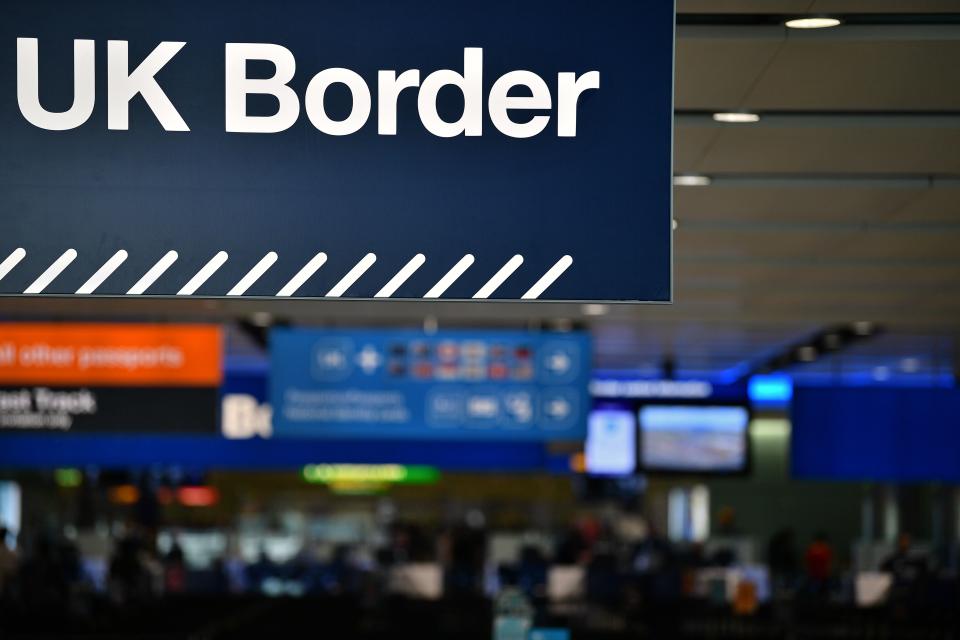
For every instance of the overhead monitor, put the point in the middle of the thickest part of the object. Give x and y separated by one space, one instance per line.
694 438
611 447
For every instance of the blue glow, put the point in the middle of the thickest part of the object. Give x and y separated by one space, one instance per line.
770 389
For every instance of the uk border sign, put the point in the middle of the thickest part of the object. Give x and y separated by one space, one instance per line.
372 149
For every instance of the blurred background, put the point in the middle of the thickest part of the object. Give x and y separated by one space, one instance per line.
776 454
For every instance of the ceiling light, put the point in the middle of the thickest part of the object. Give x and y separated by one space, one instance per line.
736 117
807 354
812 23
673 224
261 319
691 181
594 309
910 365
862 327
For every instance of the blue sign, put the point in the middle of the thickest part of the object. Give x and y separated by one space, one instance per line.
889 434
448 385
373 148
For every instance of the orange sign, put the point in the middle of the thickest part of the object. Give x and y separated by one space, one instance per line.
110 355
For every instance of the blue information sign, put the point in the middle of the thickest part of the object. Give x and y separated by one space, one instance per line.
449 385
494 149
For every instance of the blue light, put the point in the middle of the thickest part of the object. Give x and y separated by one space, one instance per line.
771 389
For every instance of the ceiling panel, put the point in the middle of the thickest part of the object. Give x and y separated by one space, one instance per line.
755 243
810 73
932 244
690 144
742 6
719 72
817 274
936 204
884 6
817 6
793 203
846 147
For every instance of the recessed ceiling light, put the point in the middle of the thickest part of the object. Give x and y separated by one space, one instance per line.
818 22
673 224
881 373
261 319
910 365
807 354
863 327
594 309
691 181
736 117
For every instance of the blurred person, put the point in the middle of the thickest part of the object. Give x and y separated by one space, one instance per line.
727 522
174 570
129 578
652 553
572 547
782 557
50 575
259 571
911 576
468 546
818 560
343 570
532 572
8 562
904 563
221 579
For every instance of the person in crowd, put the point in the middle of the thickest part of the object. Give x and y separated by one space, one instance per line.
782 558
727 522
49 574
572 548
220 577
911 573
532 572
259 571
467 556
8 562
819 563
904 563
174 570
129 577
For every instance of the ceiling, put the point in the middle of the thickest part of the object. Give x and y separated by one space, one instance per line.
841 204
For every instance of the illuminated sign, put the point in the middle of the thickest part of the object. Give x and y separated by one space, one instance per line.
370 473
373 149
447 385
109 377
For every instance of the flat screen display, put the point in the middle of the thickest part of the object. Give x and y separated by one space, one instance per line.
611 448
694 438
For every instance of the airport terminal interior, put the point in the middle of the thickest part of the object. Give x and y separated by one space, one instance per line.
773 454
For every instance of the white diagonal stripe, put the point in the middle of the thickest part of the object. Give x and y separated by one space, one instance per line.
11 261
352 276
103 273
499 277
201 276
548 278
303 275
254 274
52 271
391 287
451 276
153 273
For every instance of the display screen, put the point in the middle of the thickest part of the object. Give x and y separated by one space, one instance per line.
611 448
694 438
